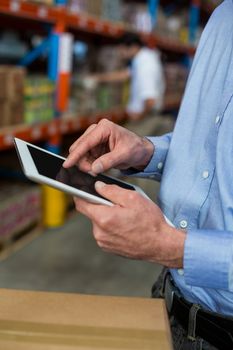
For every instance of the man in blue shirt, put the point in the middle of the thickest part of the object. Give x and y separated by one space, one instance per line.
195 167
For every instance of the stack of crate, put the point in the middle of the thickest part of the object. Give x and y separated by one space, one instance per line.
106 9
85 100
11 95
92 7
42 2
20 209
39 94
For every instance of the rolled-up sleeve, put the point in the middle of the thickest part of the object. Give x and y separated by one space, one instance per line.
208 259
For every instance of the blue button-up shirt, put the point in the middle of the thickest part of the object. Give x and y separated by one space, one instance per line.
195 166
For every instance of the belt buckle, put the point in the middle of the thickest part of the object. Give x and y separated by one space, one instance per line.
169 294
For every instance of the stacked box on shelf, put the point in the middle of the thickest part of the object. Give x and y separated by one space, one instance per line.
173 25
136 16
108 59
42 2
106 9
102 97
168 24
77 6
83 98
11 95
109 95
87 96
20 208
39 94
112 10
94 7
91 7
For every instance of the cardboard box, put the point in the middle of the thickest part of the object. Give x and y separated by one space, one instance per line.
11 112
42 2
49 321
12 82
4 113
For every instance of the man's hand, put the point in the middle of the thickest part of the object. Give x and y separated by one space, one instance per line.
134 227
106 145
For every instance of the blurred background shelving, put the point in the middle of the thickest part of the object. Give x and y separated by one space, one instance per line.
47 52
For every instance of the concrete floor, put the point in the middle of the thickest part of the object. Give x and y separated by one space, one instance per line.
68 260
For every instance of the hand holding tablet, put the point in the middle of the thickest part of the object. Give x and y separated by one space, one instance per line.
47 168
127 223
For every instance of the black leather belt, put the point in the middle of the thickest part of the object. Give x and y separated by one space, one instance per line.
210 326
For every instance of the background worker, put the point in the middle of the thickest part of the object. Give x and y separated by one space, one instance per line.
194 164
144 71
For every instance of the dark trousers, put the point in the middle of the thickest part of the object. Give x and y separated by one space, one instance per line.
179 334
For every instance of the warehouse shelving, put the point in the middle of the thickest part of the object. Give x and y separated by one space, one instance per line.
58 20
53 129
84 22
62 19
65 125
57 14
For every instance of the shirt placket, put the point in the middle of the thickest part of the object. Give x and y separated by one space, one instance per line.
187 217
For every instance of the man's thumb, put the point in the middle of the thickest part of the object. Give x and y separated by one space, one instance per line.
113 193
105 162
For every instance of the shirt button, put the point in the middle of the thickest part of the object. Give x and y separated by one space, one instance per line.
160 165
181 272
217 119
183 224
205 174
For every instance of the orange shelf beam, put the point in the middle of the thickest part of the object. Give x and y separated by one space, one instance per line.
31 11
55 128
67 125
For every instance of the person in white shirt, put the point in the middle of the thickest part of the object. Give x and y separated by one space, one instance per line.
147 83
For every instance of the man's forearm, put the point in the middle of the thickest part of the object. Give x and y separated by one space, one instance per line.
110 77
148 151
172 249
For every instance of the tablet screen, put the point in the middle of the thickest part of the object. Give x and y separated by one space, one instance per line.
51 166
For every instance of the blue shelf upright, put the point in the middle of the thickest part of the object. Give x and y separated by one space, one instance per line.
153 6
194 19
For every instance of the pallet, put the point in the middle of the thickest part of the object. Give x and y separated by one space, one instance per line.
18 241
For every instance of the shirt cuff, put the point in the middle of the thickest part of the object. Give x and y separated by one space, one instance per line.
208 259
154 169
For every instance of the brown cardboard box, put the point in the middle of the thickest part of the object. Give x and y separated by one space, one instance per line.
16 108
11 82
11 112
43 2
4 113
94 7
49 321
11 95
